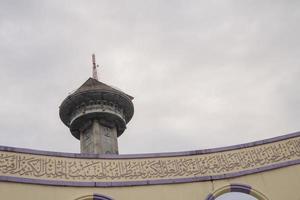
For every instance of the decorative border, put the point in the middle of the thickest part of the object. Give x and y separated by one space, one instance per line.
157 155
242 188
231 188
101 197
94 197
144 182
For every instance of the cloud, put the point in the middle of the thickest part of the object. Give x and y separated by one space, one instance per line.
203 74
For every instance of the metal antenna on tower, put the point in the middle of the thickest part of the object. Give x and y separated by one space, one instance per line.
95 74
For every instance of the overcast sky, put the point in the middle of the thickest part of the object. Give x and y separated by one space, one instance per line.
204 74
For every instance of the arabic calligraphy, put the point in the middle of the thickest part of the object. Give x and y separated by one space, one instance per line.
82 169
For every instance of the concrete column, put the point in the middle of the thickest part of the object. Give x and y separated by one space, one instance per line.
99 139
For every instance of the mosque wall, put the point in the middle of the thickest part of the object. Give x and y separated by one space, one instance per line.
268 169
276 184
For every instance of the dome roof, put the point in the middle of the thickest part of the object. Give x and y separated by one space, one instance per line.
93 84
91 91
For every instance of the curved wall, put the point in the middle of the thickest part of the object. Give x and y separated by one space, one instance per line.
269 166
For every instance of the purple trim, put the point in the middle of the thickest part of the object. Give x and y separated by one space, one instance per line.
101 197
210 197
240 188
149 182
233 188
150 155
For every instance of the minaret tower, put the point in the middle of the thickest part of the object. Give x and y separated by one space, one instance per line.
97 115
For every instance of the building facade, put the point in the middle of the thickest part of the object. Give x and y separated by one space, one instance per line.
96 115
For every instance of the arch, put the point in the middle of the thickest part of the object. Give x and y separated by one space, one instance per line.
242 188
94 197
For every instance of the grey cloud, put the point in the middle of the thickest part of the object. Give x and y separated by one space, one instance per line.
203 74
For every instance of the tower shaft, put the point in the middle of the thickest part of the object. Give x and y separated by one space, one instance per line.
98 139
